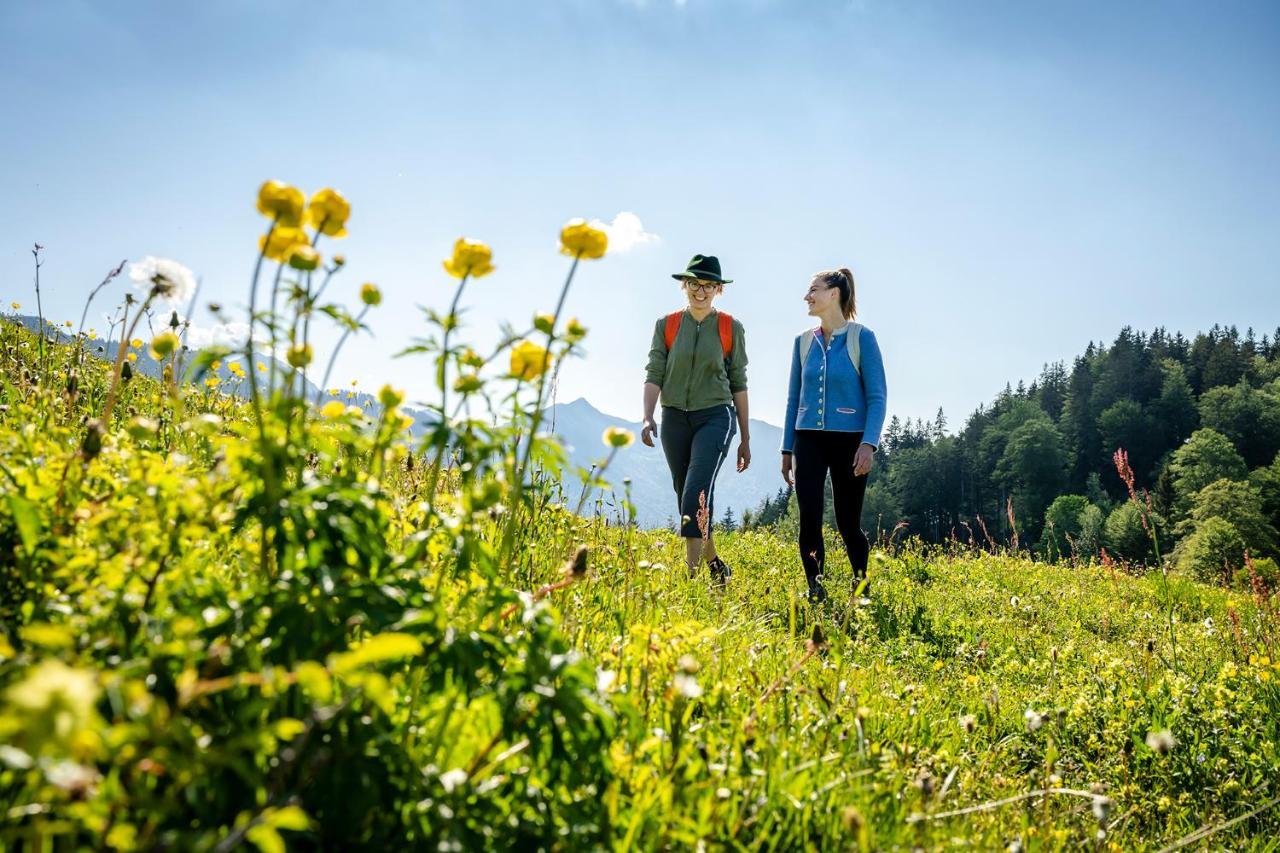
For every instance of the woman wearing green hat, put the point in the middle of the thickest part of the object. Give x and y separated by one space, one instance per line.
698 368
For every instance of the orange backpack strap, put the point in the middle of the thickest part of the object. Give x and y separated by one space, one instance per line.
673 326
726 334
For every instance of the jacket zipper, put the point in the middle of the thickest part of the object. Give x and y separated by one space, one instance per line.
693 363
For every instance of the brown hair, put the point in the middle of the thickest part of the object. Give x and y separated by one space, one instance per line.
843 279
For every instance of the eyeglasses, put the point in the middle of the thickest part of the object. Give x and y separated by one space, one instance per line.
701 286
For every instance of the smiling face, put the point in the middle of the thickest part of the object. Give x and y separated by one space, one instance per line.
821 297
701 293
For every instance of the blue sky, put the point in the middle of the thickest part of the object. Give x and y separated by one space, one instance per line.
1008 181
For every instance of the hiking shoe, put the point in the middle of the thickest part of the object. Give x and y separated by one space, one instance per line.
817 593
720 571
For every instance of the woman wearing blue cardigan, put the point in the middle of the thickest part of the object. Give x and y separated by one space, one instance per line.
835 411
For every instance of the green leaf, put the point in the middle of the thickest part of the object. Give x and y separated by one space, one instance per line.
266 838
383 647
289 817
27 518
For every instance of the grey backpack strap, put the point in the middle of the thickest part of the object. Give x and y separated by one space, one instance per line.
854 346
804 343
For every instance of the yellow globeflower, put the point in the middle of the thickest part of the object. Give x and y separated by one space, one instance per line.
281 202
282 241
544 322
578 239
163 345
333 409
304 258
467 383
618 437
529 361
16 306
300 356
470 258
574 330
370 294
136 343
328 212
471 358
390 397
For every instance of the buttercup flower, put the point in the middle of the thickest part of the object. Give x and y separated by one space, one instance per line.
471 358
300 356
544 322
136 343
304 258
163 345
574 330
390 397
163 279
529 361
282 243
580 240
328 212
467 382
618 437
470 258
281 202
333 409
370 295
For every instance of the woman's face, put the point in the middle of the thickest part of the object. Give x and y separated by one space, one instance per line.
821 297
701 293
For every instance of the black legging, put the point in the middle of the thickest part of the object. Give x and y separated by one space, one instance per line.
696 444
816 453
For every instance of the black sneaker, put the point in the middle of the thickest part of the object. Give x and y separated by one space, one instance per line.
720 571
817 593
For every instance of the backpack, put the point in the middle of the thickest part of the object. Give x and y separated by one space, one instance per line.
724 321
853 347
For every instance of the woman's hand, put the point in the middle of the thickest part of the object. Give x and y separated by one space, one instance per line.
862 460
788 466
648 431
744 455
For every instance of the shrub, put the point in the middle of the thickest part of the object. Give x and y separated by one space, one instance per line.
1213 552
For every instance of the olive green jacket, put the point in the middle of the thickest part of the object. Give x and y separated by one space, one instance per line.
693 375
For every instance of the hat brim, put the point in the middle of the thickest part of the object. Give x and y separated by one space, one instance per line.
681 276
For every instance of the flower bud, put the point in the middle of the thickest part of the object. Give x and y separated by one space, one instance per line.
389 397
544 322
304 258
300 356
574 330
91 446
370 294
163 345
467 383
126 371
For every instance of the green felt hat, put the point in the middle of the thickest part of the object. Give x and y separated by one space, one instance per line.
704 267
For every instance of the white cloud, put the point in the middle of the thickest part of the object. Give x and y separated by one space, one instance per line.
626 231
232 335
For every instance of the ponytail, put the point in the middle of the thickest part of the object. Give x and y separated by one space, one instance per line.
843 279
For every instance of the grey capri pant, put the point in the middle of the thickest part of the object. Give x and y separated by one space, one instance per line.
696 444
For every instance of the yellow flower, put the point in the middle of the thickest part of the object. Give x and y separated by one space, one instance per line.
281 244
136 343
470 258
467 383
304 258
163 345
574 330
15 306
339 261
471 358
281 202
544 322
333 409
262 368
405 421
212 382
580 240
217 365
328 212
133 356
389 397
618 437
370 295
529 361
300 356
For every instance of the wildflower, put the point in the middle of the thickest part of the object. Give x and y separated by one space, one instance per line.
163 345
580 240
217 365
969 723
618 437
262 368
212 382
687 686
390 397
370 294
136 343
163 279
304 258
471 358
339 261
1161 742
404 422
529 361
605 679
281 202
470 258
282 243
689 664
333 409
574 330
328 212
132 357
300 355
15 306
355 411
1033 720
453 779
544 322
467 383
